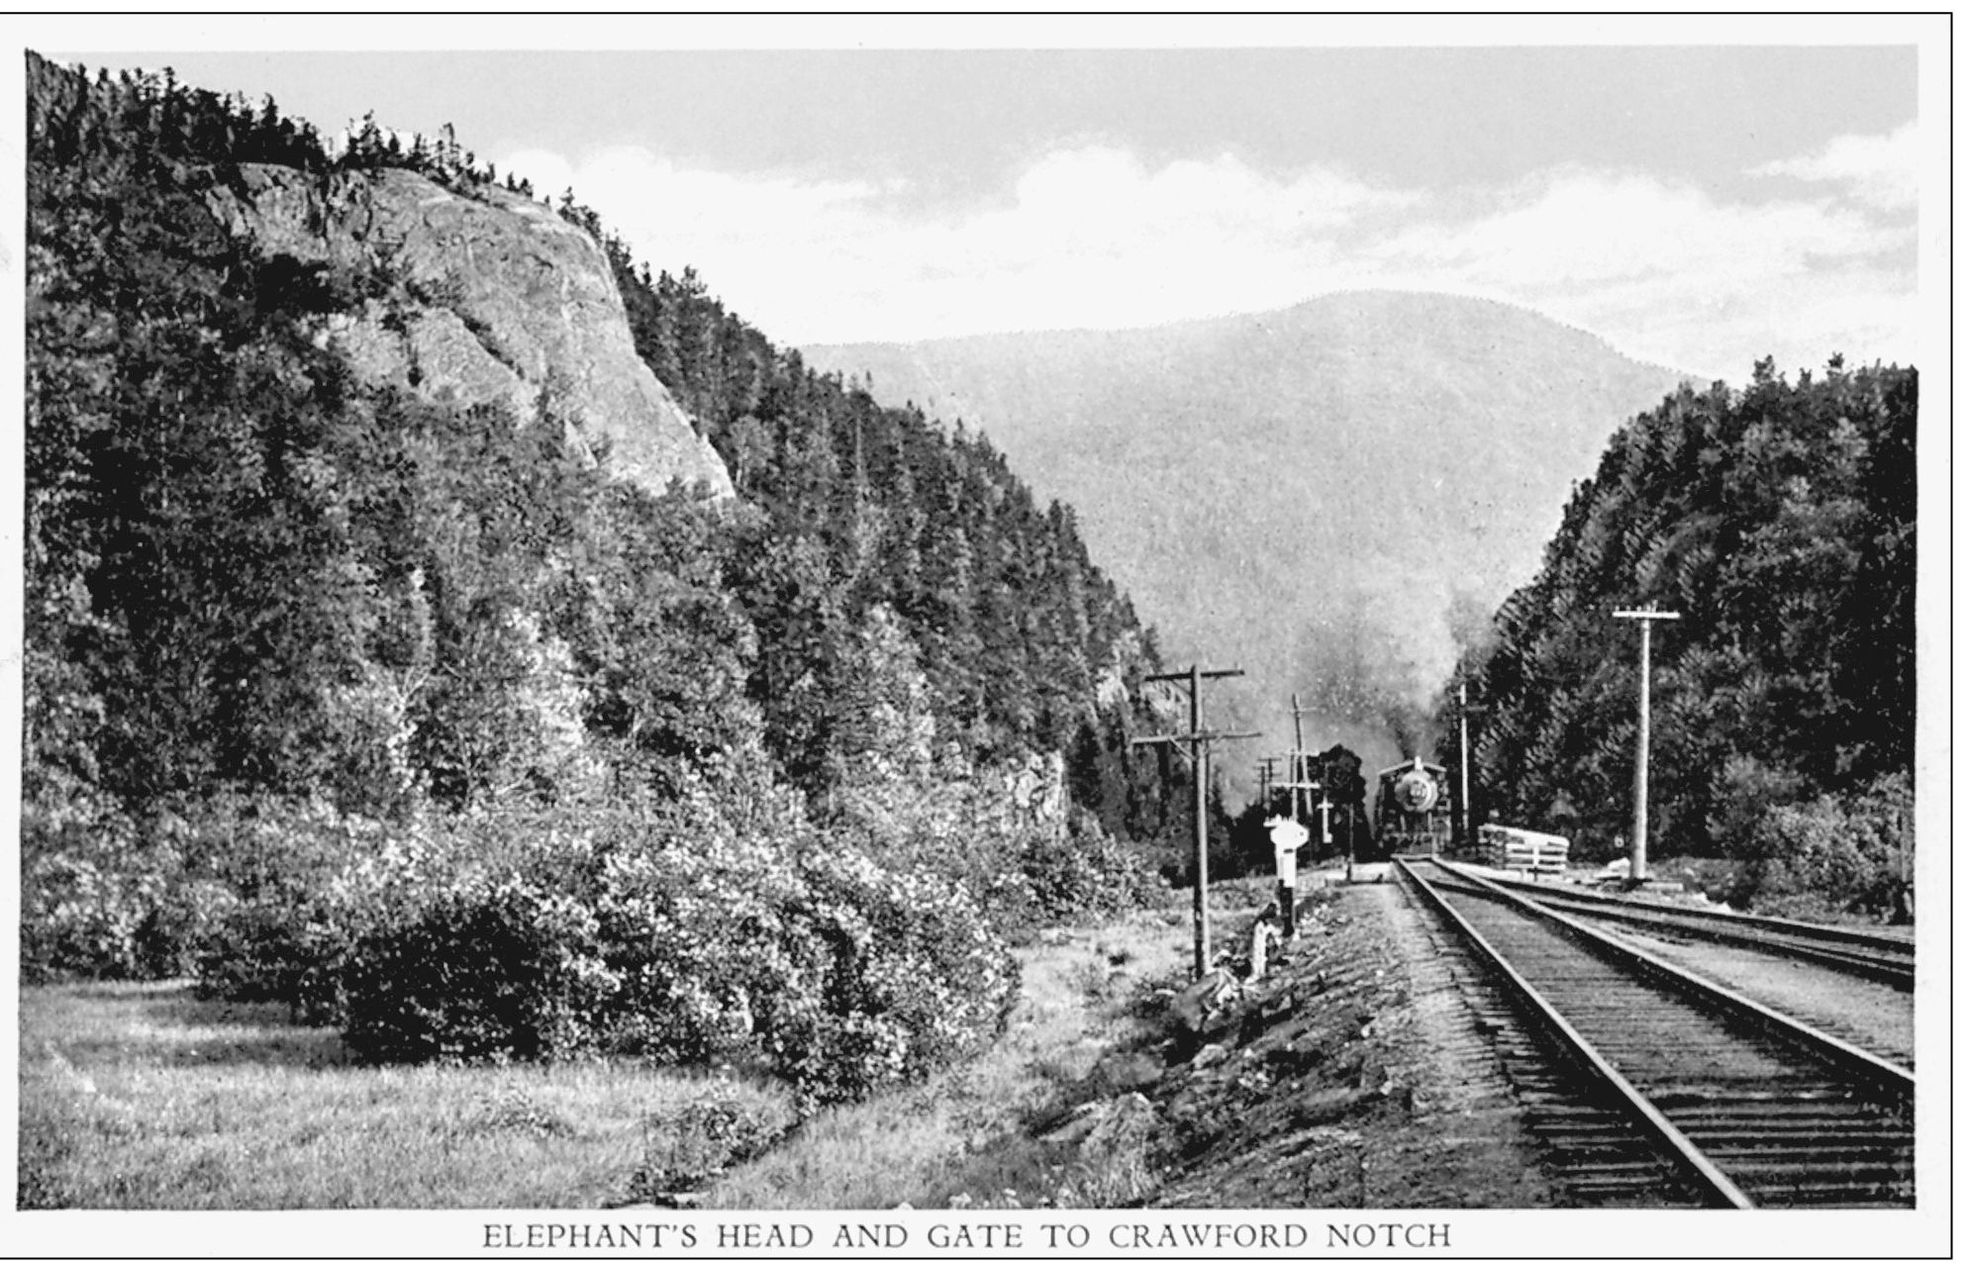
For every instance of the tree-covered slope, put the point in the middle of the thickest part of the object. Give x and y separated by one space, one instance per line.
250 569
229 527
333 659
1779 521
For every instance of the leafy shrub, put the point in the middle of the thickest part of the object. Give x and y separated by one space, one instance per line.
1081 872
839 974
487 971
309 886
294 910
89 889
1742 791
1023 872
714 965
719 929
920 979
1832 857
673 936
105 895
183 918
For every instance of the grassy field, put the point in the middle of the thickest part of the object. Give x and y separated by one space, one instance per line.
145 1096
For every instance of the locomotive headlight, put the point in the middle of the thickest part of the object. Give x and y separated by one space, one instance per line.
1415 792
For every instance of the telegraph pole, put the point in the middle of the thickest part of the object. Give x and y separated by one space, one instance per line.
1463 712
1298 758
1197 739
1267 773
1638 855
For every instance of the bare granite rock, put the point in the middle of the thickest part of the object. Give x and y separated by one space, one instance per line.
485 298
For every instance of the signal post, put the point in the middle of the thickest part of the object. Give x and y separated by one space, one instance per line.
1287 836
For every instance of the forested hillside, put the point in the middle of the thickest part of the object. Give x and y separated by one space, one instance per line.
1779 521
1015 629
1327 496
323 671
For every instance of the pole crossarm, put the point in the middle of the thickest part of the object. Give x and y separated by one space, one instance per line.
1206 735
1197 743
1186 749
1646 614
1204 675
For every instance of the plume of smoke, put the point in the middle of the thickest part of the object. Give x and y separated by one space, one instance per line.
1405 723
1358 674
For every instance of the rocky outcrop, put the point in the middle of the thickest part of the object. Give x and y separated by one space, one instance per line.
491 297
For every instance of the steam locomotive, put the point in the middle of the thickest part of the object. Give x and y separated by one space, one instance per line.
1412 813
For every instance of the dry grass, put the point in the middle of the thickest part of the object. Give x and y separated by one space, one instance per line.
143 1096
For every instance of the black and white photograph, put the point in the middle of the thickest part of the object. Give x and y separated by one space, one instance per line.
923 637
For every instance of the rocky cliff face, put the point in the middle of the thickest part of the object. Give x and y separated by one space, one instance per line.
484 298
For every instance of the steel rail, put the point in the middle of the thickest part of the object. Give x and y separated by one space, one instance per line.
1897 974
1886 1078
1885 942
1708 1179
1893 966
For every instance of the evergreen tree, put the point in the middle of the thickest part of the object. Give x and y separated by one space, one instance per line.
1780 522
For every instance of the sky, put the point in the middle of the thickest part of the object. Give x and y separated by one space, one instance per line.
1697 205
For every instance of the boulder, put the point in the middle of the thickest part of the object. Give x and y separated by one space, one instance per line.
1125 1123
1194 1005
1077 1126
1326 1105
1127 1072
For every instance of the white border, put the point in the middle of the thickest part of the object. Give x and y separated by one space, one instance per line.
1925 1232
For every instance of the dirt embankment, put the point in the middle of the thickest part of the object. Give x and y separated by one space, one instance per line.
1350 1074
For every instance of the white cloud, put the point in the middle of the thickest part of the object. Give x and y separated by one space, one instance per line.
1585 228
1669 273
1086 236
1094 237
1880 171
638 192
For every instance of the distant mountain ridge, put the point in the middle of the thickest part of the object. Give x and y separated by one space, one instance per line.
1327 495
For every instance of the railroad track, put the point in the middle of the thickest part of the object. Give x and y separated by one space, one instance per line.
1649 1067
1883 958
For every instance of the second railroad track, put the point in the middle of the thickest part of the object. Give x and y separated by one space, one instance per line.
1746 1106
1883 957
